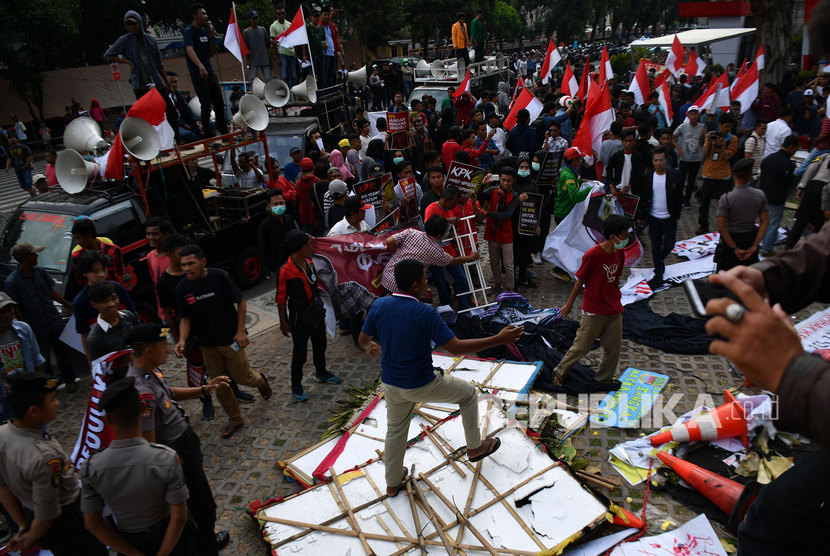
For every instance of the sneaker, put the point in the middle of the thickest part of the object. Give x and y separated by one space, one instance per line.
264 388
530 284
243 397
299 395
687 205
531 274
561 274
208 411
537 258
328 378
655 283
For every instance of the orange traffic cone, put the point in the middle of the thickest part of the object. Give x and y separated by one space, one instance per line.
725 421
625 518
732 498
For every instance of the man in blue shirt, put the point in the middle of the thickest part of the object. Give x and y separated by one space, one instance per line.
407 330
18 350
199 44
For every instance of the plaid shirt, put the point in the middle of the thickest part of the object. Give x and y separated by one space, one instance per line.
413 244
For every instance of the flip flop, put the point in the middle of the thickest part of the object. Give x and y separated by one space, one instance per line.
231 428
401 486
493 446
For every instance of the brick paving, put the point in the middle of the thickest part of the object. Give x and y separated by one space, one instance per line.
246 467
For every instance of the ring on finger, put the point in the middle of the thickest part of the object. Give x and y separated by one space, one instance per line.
735 312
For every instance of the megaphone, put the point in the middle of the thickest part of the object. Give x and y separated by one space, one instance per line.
73 171
258 88
423 69
277 93
139 138
460 67
437 67
358 76
307 90
501 61
252 113
84 135
489 63
196 108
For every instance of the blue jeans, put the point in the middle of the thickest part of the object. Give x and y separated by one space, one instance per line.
288 69
187 135
776 212
49 342
663 234
461 287
815 153
24 177
319 70
253 70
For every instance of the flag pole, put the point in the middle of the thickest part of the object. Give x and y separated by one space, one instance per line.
239 37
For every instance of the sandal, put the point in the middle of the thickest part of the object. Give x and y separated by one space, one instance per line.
229 429
400 487
492 447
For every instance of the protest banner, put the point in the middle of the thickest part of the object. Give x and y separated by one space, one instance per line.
397 126
359 257
529 211
549 170
375 191
468 179
625 407
409 203
390 220
629 204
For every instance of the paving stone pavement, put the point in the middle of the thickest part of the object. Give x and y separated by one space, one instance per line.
245 467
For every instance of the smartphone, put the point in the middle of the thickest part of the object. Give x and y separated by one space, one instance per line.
235 346
700 291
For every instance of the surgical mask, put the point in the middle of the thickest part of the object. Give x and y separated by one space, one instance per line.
278 210
535 166
621 245
397 160
523 173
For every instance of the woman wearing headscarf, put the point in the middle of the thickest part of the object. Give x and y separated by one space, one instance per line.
336 161
95 111
376 151
522 244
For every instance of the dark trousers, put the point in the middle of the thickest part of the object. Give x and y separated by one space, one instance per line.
210 96
68 536
49 342
300 336
330 70
688 175
170 110
149 541
463 54
479 49
443 287
791 514
201 504
663 234
711 189
808 212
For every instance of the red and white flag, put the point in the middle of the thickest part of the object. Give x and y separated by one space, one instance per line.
716 95
233 38
664 97
552 57
759 58
640 87
741 72
569 84
582 92
674 61
152 108
605 70
599 114
695 65
464 87
527 101
746 88
296 34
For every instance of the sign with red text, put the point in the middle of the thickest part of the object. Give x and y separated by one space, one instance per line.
375 191
466 178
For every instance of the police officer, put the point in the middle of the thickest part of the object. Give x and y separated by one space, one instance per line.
142 483
163 421
38 483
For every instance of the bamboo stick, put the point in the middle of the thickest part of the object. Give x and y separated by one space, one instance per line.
352 519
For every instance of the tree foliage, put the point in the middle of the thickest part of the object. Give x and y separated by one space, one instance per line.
504 22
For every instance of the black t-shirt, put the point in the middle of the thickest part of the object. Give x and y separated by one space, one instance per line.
166 291
209 303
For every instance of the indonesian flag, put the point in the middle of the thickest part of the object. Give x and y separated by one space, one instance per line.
695 65
740 73
746 88
233 38
527 101
582 92
664 97
759 58
599 114
716 95
640 87
552 57
569 83
296 34
464 87
151 108
605 71
674 61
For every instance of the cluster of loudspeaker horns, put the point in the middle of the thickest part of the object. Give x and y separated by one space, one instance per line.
438 69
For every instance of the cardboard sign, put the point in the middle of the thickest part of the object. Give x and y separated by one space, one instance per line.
116 71
397 125
626 406
375 191
529 211
409 203
387 223
468 179
549 170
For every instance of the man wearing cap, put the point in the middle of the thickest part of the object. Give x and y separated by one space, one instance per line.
164 421
38 484
200 44
18 350
334 203
302 314
272 231
689 139
305 197
316 45
353 220
331 48
738 211
292 170
141 483
256 38
33 290
568 193
39 181
287 62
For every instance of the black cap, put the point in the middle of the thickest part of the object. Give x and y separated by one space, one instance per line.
32 382
147 333
295 239
295 150
743 164
354 204
119 393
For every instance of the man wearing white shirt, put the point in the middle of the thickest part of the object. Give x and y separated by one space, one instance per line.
494 123
248 175
777 131
381 125
353 222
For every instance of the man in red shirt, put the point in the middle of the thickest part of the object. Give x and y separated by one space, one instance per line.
468 144
498 230
450 147
600 272
305 197
445 207
83 231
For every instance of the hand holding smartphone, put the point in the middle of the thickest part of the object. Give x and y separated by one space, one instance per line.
700 291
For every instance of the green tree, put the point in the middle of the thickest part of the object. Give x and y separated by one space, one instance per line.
505 23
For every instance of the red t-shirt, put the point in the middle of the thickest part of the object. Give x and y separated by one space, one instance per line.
448 151
500 231
432 210
825 130
601 273
288 191
305 185
467 226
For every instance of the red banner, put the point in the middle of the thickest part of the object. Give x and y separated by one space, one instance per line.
397 125
359 257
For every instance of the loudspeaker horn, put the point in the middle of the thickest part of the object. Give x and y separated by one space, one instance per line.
73 172
196 108
358 76
501 61
139 138
84 135
258 88
277 93
307 90
252 113
460 68
423 69
437 67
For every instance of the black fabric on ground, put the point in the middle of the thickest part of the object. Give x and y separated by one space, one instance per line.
673 333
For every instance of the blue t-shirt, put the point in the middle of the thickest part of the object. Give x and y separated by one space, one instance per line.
199 39
405 327
290 171
329 42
